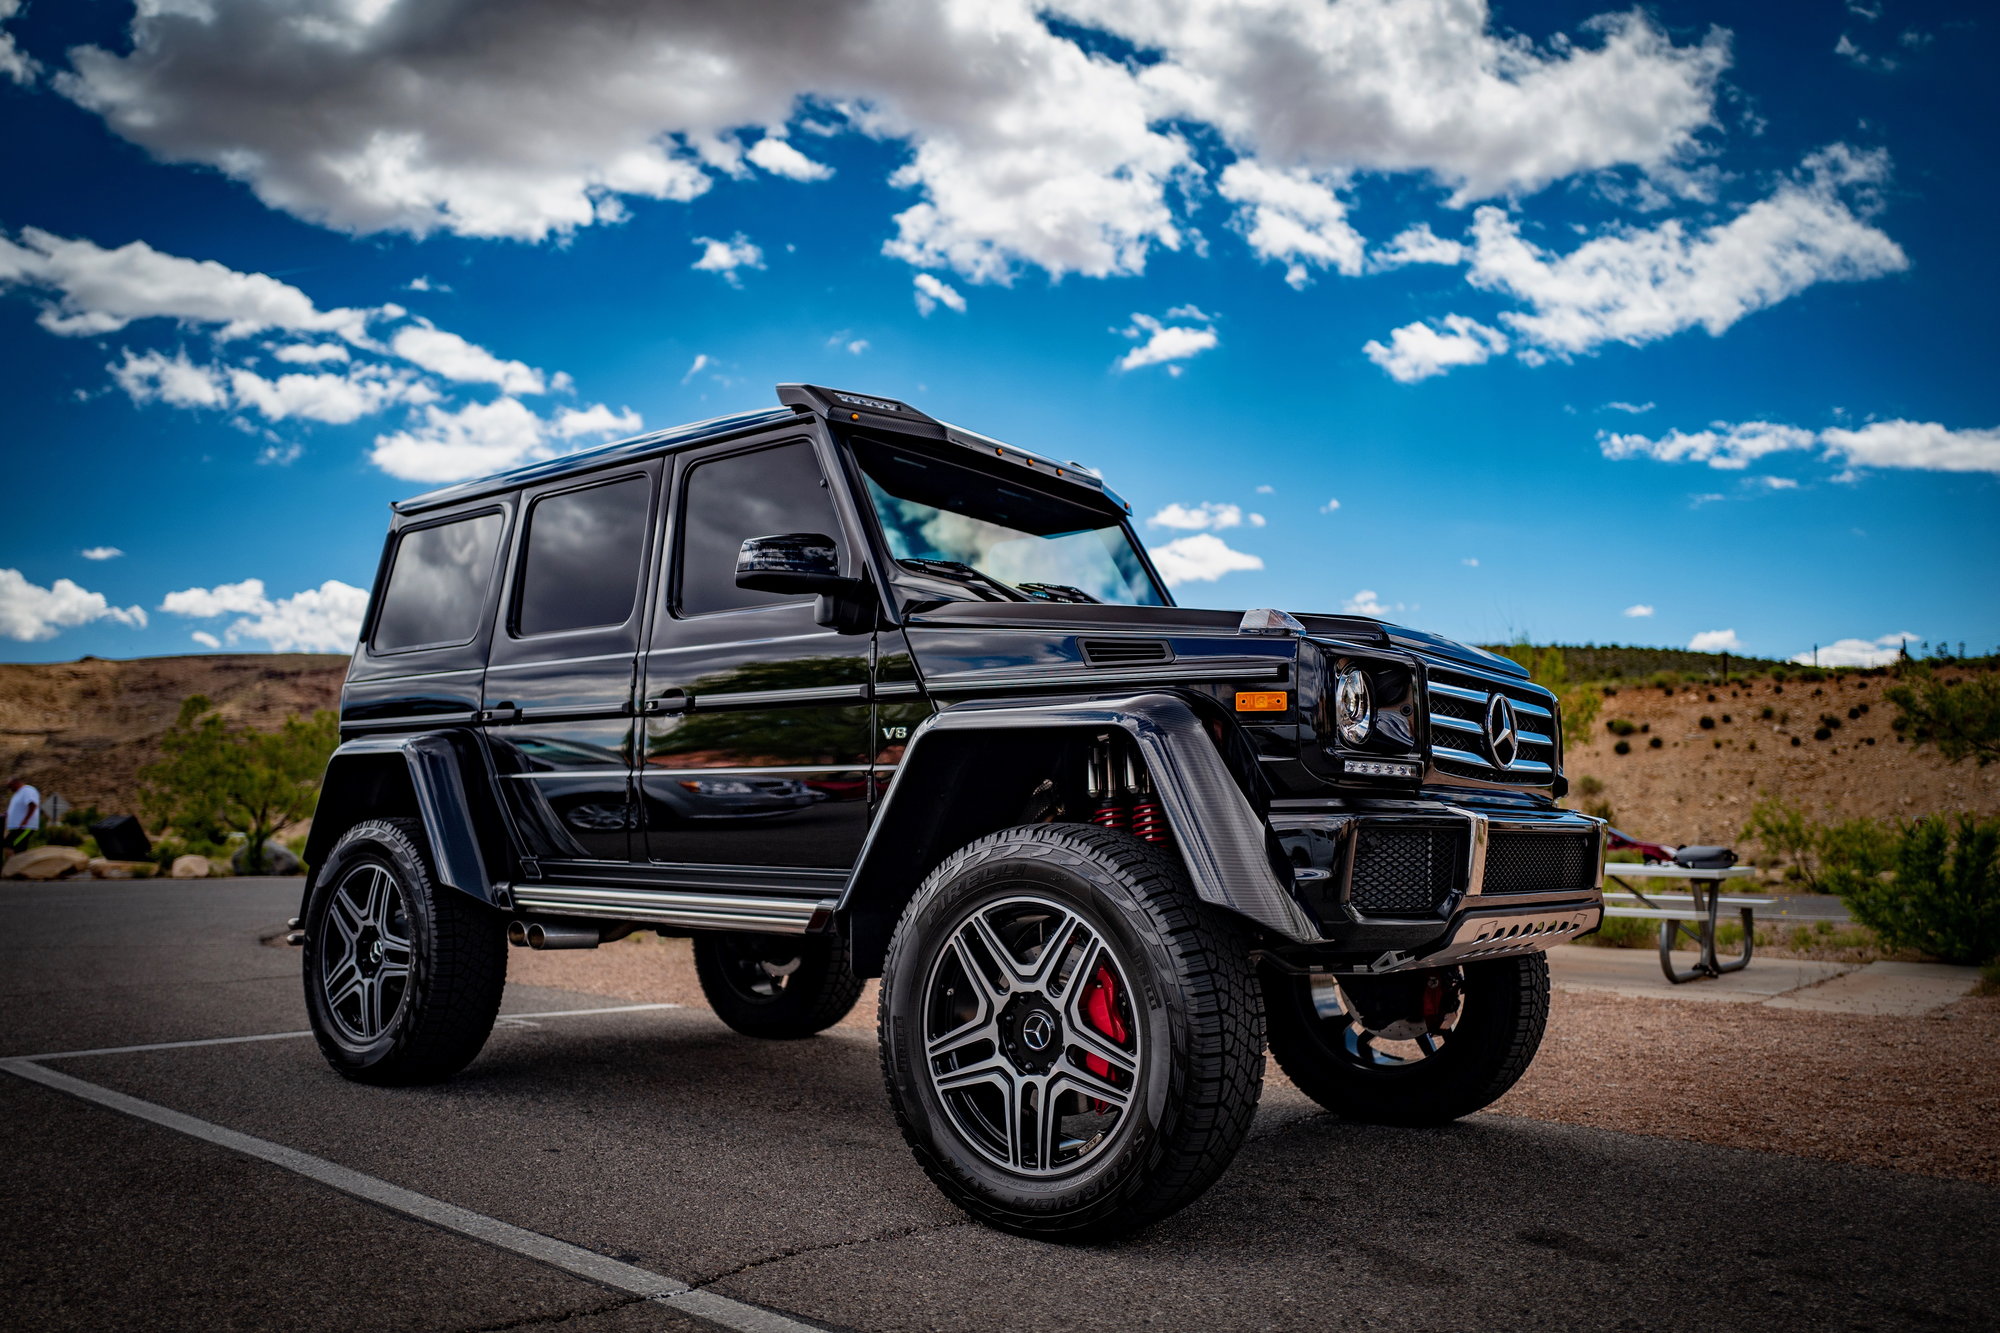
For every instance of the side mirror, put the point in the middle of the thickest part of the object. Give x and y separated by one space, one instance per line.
795 562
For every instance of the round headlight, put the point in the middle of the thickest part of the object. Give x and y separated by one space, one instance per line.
1353 706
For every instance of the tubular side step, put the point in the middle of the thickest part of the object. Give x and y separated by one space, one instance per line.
694 911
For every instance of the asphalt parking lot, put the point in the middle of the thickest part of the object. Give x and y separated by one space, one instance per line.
764 1186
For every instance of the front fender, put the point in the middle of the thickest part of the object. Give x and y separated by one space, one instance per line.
433 778
1220 837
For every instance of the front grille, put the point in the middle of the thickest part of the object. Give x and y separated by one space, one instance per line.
1539 862
1458 702
1407 871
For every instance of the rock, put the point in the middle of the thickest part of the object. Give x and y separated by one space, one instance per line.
190 866
278 860
102 868
45 863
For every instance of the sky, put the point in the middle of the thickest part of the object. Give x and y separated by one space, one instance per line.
1665 326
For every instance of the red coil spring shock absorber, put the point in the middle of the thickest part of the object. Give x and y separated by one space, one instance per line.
1109 811
1149 822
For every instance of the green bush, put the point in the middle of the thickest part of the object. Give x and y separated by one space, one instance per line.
1944 898
1961 718
1618 726
1623 747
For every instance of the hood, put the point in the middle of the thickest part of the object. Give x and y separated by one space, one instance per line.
1436 645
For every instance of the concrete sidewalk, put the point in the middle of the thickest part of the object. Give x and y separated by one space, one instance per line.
1890 989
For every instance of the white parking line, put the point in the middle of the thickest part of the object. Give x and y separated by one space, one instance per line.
293 1036
587 1264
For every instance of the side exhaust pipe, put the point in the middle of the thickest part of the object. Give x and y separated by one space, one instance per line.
550 935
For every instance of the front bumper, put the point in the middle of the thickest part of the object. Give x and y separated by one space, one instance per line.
1421 883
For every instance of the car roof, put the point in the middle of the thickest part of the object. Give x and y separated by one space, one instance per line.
800 402
618 451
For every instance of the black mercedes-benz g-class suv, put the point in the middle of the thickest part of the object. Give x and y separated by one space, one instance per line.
842 691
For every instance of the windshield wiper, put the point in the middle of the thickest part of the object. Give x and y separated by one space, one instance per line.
964 573
1058 592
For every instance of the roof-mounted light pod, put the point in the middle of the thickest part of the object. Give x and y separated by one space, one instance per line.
1269 620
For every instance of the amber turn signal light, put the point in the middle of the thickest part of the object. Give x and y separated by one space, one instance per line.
1261 701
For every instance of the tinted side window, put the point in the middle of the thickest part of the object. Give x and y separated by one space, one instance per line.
437 584
761 494
580 562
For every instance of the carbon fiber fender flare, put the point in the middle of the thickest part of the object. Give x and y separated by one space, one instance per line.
1219 835
433 777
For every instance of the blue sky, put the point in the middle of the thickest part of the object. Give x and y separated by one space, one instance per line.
1667 326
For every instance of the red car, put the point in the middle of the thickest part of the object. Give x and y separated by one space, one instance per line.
1618 840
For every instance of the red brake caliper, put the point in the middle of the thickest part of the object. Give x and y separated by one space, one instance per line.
1100 1010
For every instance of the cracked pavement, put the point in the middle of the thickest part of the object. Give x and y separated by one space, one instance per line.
772 1173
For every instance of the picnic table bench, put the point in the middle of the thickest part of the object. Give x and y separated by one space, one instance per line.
1702 903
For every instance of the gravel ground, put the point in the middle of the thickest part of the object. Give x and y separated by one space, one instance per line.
1919 1095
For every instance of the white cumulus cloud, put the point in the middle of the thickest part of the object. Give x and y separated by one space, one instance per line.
781 159
1201 558
933 292
29 612
15 63
1716 641
1195 518
1294 218
1916 445
1419 351
1019 146
725 257
597 419
1164 343
453 357
100 553
451 445
1858 652
326 619
1368 602
1637 610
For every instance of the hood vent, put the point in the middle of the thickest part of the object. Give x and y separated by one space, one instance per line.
1125 652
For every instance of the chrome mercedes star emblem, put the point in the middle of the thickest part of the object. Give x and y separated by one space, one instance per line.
1503 739
1037 1031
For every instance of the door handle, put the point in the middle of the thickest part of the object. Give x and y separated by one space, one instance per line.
668 701
501 712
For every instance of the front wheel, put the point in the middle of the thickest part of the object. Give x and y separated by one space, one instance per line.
776 986
403 975
1410 1048
1071 1040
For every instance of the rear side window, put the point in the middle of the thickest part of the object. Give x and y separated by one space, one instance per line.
580 567
766 493
437 584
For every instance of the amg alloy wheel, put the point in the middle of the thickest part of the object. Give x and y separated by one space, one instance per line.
402 975
1411 1048
1071 1039
776 986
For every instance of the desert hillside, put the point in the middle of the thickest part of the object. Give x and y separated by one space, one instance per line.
1692 789
84 729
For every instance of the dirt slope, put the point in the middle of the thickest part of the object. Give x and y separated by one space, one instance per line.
84 729
1692 790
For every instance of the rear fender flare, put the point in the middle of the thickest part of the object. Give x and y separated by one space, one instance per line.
434 778
1219 835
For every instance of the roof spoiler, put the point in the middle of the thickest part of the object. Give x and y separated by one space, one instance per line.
863 409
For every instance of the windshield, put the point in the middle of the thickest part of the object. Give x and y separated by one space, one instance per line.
999 540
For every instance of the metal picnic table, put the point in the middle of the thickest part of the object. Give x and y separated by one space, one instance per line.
1703 904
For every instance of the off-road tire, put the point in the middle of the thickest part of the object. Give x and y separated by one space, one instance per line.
820 993
458 964
1504 1010
1203 1063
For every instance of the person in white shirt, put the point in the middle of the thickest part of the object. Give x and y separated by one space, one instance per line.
24 812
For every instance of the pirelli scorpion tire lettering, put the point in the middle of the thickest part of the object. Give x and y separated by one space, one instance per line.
1072 1041
1410 1072
777 986
402 975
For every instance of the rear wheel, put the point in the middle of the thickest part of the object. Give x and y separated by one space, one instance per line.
1410 1048
1072 1041
403 976
778 986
